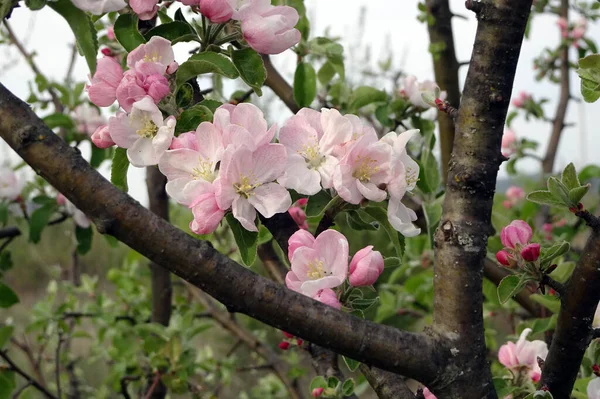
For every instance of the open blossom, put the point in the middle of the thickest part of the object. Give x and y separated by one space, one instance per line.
523 355
99 7
271 32
143 132
108 76
101 137
246 183
207 214
145 9
193 161
366 267
593 389
88 119
154 57
243 124
324 264
515 237
508 146
310 148
10 188
414 90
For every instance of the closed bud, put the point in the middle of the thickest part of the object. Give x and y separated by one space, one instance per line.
317 392
531 252
596 370
284 345
504 258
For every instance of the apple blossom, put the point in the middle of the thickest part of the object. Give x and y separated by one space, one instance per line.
521 99
108 76
271 32
143 132
246 183
243 124
505 259
401 218
310 163
332 120
514 194
518 232
531 252
101 137
328 297
414 90
154 57
508 145
192 162
366 267
145 9
593 389
523 355
10 188
99 7
300 238
405 171
207 214
284 345
130 90
322 265
88 118
217 11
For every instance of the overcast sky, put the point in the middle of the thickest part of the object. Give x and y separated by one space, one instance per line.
49 36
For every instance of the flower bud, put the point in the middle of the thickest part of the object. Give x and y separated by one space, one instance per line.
299 342
517 232
287 335
299 217
531 252
217 11
365 267
284 345
596 369
101 137
317 392
107 52
504 258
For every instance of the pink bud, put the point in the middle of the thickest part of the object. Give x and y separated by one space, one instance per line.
547 227
110 33
157 87
145 9
504 258
507 204
129 91
207 214
561 222
61 199
102 90
517 232
172 68
287 335
101 137
508 142
562 23
217 11
578 33
328 297
317 392
284 345
299 342
531 252
427 394
299 217
107 52
272 32
365 267
302 202
515 193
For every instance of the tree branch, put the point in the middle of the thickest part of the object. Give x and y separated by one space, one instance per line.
387 385
279 86
26 376
415 355
574 325
461 238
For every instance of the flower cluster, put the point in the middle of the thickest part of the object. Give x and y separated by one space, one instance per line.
574 32
521 358
414 90
517 248
514 194
318 265
522 99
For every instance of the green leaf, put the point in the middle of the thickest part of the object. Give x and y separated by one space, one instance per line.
326 73
5 334
348 387
544 198
356 222
35 5
206 62
547 255
127 33
175 31
211 104
305 84
7 296
365 95
392 262
7 383
251 68
351 363
118 170
58 120
83 29
39 220
99 155
569 177
316 203
563 272
576 194
246 240
380 216
84 239
318 382
6 262
185 95
589 72
510 286
548 301
189 119
589 172
558 190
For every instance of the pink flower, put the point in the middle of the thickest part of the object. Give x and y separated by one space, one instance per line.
317 392
515 193
299 217
110 33
578 33
401 218
299 239
143 132
509 140
101 137
309 148
365 267
593 389
362 171
271 32
130 90
99 7
10 188
246 183
523 355
145 9
157 86
88 118
328 297
427 393
516 233
520 101
154 57
192 162
324 265
207 214
217 11
302 202
531 252
103 89
505 259
405 171
243 124
414 91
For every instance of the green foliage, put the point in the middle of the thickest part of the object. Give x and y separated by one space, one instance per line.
39 220
119 167
511 285
206 62
127 33
7 296
84 239
246 240
365 95
589 72
566 192
251 68
175 31
189 119
305 84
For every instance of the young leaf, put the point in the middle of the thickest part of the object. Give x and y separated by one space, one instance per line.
83 29
246 240
549 254
351 363
127 33
206 62
510 286
576 194
544 198
316 203
318 382
357 223
365 95
380 216
251 67
305 84
559 190
189 119
589 72
569 177
35 5
39 220
84 239
348 387
7 296
58 120
326 73
118 170
548 301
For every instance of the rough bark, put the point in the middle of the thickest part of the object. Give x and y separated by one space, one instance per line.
445 67
461 238
415 355
385 384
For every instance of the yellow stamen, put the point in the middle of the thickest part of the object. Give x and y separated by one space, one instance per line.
204 171
149 130
366 168
245 187
315 270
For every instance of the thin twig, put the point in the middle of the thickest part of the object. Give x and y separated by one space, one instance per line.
57 364
72 61
19 391
590 219
124 381
26 376
153 386
555 285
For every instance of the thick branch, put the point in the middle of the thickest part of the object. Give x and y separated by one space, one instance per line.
387 385
574 325
558 123
461 238
446 67
495 274
414 355
280 87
